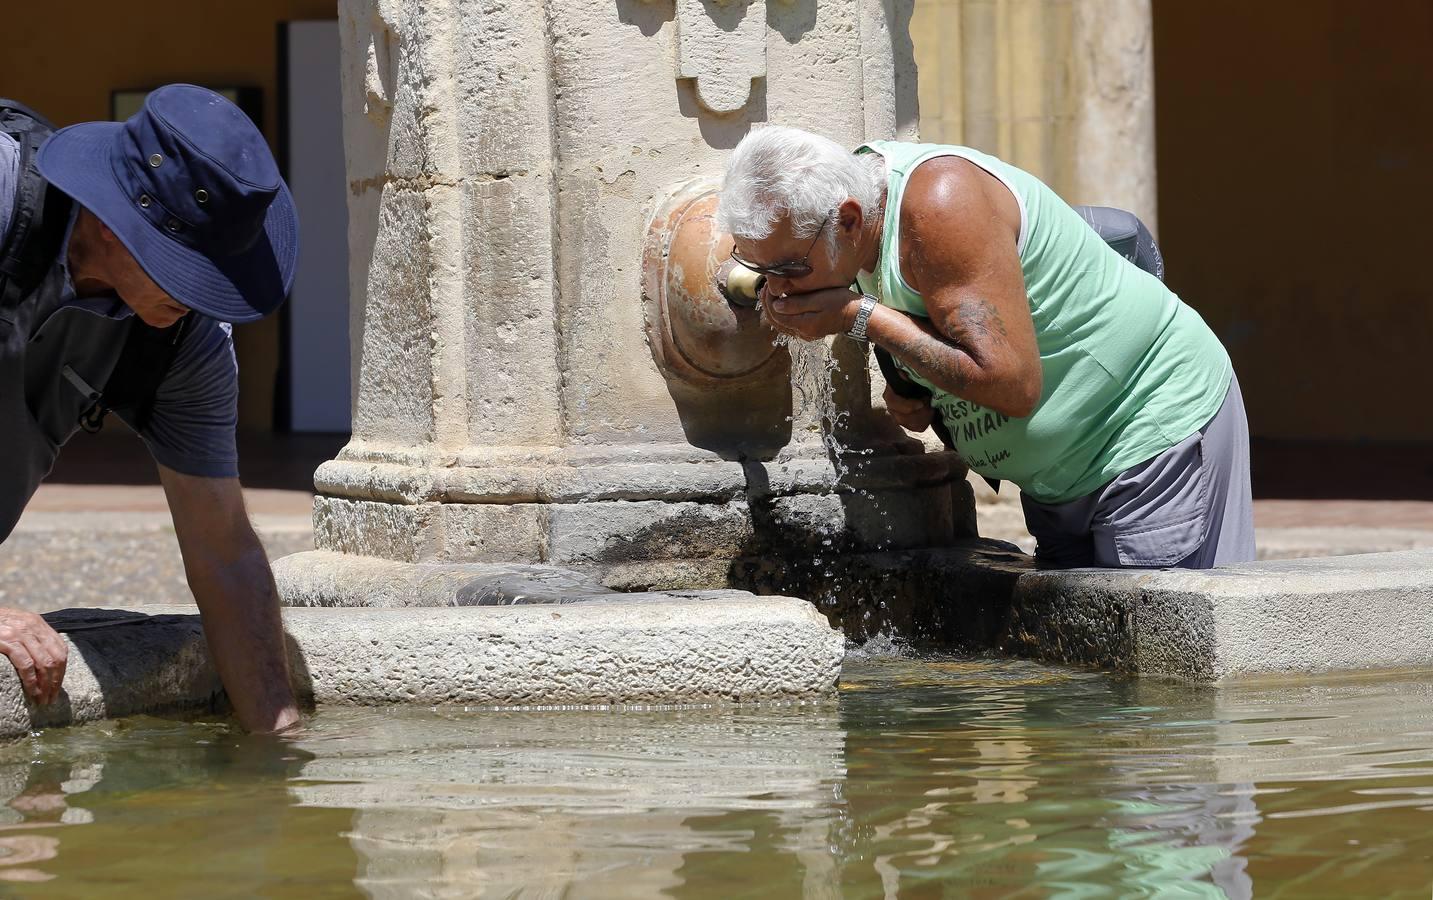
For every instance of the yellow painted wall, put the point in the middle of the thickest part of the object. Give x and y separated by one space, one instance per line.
1295 149
68 56
935 33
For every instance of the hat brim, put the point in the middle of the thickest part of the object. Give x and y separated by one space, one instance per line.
240 288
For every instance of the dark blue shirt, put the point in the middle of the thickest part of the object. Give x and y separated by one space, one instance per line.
65 344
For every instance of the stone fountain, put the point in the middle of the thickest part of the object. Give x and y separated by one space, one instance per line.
557 397
547 369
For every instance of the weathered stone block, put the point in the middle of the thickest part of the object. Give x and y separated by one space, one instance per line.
1308 615
395 387
696 647
599 533
367 528
323 578
494 532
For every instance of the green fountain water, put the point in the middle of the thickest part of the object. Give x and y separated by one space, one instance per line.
941 777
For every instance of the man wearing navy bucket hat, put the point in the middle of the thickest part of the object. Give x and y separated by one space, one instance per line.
126 250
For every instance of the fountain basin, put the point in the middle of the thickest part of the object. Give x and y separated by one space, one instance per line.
648 649
944 775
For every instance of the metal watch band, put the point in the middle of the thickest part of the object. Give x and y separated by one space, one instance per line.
863 315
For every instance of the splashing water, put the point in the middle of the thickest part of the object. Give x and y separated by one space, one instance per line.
879 646
811 366
814 407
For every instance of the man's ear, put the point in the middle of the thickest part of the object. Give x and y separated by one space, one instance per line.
850 217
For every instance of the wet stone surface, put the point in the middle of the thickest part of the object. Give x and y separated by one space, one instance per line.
511 585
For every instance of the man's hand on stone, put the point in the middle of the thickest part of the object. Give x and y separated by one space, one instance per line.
814 315
36 651
912 414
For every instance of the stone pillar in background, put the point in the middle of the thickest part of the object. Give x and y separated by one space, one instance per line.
1113 79
1061 88
504 162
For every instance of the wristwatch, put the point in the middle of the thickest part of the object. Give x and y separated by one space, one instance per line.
863 315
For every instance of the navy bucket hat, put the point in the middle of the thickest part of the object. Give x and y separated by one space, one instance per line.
189 186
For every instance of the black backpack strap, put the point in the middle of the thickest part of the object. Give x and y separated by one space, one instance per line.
904 386
145 360
37 230
41 212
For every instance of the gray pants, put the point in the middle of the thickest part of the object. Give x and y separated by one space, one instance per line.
1191 506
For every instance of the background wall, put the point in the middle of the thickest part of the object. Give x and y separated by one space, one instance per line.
995 75
1293 143
75 53
1064 89
1295 148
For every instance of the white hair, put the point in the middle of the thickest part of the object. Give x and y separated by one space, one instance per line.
777 171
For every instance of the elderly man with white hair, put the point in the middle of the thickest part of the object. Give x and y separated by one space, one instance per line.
1054 362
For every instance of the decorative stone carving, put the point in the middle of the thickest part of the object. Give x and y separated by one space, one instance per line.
721 46
379 76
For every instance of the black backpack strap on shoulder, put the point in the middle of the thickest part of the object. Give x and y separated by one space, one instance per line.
41 212
145 360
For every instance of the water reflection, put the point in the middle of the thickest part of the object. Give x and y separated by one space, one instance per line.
517 804
37 800
1016 791
941 778
188 809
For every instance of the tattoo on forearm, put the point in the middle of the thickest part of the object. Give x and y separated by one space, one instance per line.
933 358
954 362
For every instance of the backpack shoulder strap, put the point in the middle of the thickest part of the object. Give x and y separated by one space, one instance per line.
41 212
145 360
911 390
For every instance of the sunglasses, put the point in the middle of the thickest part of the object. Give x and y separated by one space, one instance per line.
790 270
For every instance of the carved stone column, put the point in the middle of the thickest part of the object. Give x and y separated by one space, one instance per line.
505 161
1061 88
1113 142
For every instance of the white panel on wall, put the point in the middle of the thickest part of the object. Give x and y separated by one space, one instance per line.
318 350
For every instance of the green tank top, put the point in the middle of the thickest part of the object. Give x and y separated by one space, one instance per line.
1129 369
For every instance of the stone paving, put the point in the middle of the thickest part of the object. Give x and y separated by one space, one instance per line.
114 545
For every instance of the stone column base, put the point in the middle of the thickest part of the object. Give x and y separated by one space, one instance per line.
607 515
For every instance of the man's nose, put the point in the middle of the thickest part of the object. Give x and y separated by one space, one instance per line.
776 286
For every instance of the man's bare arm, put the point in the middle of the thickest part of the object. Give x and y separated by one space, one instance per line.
958 250
234 587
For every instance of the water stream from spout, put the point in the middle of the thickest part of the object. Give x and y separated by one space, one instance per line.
811 366
815 407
